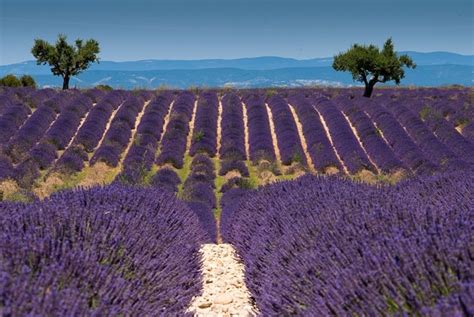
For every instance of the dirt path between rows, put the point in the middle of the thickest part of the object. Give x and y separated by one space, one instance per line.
246 130
219 129
272 132
224 290
356 134
304 145
134 133
165 123
191 127
107 126
328 134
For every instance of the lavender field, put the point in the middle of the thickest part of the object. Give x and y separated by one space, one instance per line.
336 204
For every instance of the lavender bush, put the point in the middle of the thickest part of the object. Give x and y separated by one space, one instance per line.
260 139
204 139
319 146
351 248
102 251
343 138
173 144
286 132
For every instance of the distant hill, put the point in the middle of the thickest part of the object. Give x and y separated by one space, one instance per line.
434 69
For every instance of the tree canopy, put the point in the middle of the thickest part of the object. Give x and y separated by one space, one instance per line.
370 65
66 60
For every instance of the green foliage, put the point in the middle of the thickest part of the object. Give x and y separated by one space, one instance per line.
370 65
462 121
270 92
10 81
104 87
198 136
296 157
425 112
194 89
66 60
27 81
13 81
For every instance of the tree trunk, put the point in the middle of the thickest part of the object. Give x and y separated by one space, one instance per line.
368 90
66 82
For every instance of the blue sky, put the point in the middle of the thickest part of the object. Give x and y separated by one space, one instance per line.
197 29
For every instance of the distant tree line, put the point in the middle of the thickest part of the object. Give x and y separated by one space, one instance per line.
13 81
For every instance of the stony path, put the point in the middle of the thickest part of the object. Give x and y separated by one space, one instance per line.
273 133
189 139
304 145
107 126
138 119
219 129
246 131
224 293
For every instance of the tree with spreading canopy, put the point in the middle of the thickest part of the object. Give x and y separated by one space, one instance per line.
66 60
370 65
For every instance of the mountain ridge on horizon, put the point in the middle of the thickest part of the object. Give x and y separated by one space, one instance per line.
434 69
254 63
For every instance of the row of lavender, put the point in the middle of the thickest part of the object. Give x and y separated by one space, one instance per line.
65 130
424 145
388 137
103 251
30 138
353 249
199 186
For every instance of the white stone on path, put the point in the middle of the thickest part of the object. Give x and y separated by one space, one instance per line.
224 291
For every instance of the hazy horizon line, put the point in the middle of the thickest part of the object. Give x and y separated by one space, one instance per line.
243 57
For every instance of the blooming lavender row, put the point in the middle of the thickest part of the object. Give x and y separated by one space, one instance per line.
424 138
6 100
11 119
233 130
319 146
89 135
234 165
198 191
94 127
166 179
173 144
6 167
447 134
101 251
204 139
95 95
141 154
343 138
403 146
377 149
260 139
120 131
39 96
30 133
57 137
286 132
199 185
455 110
232 151
353 249
65 126
468 132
